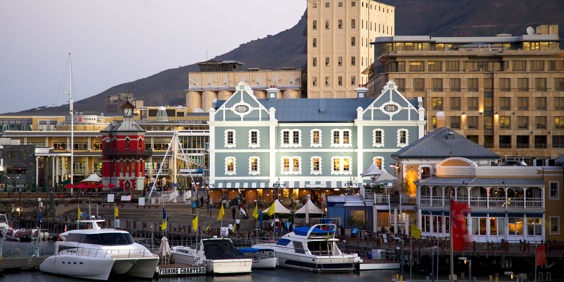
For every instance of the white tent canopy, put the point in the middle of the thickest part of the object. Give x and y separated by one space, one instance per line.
309 207
278 208
92 178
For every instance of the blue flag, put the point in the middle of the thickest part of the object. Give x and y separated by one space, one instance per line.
164 213
40 217
260 220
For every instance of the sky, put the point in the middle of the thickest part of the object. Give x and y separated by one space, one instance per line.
118 41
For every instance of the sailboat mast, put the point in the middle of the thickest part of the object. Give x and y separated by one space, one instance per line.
71 112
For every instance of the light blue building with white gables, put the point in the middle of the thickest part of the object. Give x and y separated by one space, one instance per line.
264 148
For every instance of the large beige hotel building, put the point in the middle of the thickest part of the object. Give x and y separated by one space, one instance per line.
503 92
339 56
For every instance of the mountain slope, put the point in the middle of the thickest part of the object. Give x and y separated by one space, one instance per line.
287 48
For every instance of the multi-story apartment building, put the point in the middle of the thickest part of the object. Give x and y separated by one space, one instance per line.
339 34
305 146
503 92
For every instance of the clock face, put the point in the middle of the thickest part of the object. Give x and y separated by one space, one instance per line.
390 108
241 108
127 111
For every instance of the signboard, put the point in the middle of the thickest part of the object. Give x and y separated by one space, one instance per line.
111 198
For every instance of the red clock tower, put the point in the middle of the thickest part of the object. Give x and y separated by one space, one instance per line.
124 153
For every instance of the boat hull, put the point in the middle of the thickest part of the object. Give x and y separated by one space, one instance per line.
136 267
324 264
229 266
379 265
80 267
265 263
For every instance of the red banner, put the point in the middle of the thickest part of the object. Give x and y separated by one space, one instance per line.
540 256
459 233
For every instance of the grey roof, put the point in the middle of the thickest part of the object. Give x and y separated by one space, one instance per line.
444 143
316 110
127 125
482 181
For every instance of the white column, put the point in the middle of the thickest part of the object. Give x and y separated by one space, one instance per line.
53 175
36 173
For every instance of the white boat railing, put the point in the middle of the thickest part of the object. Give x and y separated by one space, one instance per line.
104 253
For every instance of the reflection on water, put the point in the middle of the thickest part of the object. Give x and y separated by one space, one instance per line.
11 249
279 275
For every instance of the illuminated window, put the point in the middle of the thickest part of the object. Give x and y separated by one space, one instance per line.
254 166
230 166
341 166
316 165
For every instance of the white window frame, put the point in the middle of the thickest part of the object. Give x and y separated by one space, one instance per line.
226 134
341 171
557 232
550 197
316 172
291 169
251 171
382 162
341 135
312 144
234 172
402 144
291 143
374 142
251 144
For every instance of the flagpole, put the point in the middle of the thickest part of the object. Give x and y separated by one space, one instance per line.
535 262
451 278
410 255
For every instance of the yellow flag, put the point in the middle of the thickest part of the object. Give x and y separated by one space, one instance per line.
415 232
272 209
116 212
195 223
221 213
208 227
79 214
255 211
164 224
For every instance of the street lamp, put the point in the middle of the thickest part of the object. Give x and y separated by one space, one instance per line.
469 262
276 186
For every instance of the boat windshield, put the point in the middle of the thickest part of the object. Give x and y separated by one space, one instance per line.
108 239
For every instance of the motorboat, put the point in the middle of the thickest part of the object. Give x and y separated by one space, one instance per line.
312 248
18 234
262 258
218 254
187 256
4 225
96 253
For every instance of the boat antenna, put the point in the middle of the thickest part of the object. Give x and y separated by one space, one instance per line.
71 112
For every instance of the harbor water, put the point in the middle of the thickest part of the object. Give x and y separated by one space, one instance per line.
278 275
16 249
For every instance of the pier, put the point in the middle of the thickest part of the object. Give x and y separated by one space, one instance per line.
143 223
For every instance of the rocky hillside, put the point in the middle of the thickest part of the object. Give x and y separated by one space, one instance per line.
287 48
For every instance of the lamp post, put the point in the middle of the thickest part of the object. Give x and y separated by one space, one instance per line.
276 186
469 262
